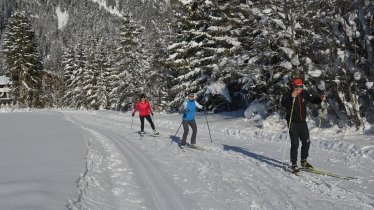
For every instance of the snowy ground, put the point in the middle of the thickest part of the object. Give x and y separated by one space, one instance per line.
94 160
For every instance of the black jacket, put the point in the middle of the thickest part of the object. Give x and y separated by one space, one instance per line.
299 108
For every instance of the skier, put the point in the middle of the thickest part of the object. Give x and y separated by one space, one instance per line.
188 109
295 102
145 111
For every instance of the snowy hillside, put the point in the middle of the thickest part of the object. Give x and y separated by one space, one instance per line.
96 160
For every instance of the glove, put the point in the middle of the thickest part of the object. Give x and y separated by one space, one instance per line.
133 114
152 113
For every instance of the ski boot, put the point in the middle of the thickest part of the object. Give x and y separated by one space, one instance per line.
155 132
294 169
305 164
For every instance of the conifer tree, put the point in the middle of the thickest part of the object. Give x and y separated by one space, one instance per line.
76 92
22 63
210 41
68 75
130 65
189 51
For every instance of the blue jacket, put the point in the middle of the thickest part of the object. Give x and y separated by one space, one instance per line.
189 109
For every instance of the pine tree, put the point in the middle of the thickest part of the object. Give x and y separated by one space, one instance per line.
131 66
22 63
104 80
189 52
91 75
230 30
68 75
76 94
210 44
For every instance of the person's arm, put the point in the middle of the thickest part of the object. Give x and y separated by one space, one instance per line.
198 105
150 108
135 109
185 107
314 99
286 100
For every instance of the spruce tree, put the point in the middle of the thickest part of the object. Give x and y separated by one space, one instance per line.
131 66
22 63
68 75
190 52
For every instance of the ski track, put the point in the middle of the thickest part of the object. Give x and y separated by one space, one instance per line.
106 177
227 176
161 191
155 188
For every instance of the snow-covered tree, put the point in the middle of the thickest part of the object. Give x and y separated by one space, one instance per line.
22 62
75 96
190 51
131 66
68 75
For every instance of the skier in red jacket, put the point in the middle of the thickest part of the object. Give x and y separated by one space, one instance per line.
145 111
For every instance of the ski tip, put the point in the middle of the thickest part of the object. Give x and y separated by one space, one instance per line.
296 174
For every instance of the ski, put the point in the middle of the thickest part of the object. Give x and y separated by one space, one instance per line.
140 134
152 134
196 147
181 148
189 146
296 173
321 172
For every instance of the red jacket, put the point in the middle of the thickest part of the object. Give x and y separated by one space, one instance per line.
144 108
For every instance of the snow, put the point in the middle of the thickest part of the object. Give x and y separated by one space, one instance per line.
96 160
357 75
288 51
219 88
40 161
314 72
62 18
321 85
111 10
256 109
4 80
287 65
369 84
185 1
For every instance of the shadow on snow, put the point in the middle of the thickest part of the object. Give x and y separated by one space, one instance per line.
262 158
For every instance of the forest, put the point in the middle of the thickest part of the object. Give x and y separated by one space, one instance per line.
102 54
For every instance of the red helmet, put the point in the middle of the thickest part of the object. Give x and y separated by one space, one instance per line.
297 82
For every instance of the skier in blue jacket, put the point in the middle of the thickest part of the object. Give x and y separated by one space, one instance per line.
189 109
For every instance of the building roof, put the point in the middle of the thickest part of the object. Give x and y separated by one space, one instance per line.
4 80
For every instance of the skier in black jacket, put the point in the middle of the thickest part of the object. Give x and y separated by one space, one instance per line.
296 101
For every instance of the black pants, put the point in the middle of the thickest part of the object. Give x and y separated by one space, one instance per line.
299 132
149 119
186 125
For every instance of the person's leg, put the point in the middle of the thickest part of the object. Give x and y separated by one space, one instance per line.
294 136
141 123
185 132
305 141
149 119
194 131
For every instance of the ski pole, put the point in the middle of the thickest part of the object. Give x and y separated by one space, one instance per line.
211 141
289 128
132 121
319 127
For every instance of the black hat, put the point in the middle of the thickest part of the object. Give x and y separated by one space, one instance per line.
142 95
